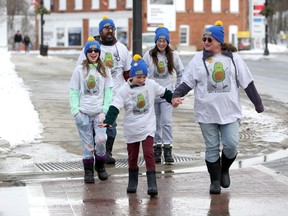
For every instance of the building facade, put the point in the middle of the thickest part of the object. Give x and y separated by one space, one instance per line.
71 22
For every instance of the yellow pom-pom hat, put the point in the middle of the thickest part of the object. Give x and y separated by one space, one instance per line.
138 66
106 22
92 44
90 38
216 31
162 33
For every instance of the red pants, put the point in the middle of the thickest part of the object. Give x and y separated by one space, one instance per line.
148 153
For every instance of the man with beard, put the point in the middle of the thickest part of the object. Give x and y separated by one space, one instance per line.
116 57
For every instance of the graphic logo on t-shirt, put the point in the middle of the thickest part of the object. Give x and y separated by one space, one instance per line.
90 85
108 60
140 103
91 82
161 73
218 80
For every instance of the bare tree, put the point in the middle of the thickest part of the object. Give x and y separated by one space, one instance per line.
278 22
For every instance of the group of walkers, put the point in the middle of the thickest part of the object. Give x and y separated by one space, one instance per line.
18 40
107 81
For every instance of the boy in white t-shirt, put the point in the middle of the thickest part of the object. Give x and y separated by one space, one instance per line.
139 123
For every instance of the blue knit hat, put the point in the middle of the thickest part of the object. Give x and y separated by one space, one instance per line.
138 66
162 33
216 31
105 22
92 44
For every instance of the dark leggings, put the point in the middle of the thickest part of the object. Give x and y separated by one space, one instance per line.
133 152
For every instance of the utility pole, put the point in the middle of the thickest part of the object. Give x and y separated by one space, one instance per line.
266 51
137 27
41 23
42 10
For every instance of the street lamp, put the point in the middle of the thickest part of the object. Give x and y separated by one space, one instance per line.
266 51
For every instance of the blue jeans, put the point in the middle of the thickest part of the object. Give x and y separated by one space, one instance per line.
229 136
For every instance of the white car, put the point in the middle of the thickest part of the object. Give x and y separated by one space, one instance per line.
147 41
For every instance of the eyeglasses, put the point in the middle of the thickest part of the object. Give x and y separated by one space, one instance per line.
208 39
161 41
92 50
108 28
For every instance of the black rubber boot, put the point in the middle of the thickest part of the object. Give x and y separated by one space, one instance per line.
152 184
133 180
225 165
109 147
214 170
157 153
88 170
168 153
100 168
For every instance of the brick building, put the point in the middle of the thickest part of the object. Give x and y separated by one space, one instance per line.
70 22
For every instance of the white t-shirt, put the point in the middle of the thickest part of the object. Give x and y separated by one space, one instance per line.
117 59
161 74
139 119
91 88
217 97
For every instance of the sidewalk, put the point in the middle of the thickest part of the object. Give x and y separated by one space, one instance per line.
27 189
254 191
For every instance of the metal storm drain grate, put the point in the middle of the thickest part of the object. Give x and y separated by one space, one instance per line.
244 135
78 166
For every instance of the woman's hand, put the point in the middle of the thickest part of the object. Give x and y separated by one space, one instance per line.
177 101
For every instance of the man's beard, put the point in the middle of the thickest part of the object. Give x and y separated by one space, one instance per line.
107 39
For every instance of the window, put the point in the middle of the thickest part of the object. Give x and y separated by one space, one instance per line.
78 5
112 4
62 4
47 4
180 6
216 6
129 4
184 35
198 6
95 4
234 6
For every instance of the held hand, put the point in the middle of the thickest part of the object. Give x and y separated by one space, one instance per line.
101 125
177 101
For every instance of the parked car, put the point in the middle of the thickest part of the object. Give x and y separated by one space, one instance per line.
147 41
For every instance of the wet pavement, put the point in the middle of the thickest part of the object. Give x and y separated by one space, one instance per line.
46 177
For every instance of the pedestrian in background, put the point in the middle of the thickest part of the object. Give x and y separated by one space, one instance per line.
27 43
163 66
17 40
90 97
216 75
137 98
116 57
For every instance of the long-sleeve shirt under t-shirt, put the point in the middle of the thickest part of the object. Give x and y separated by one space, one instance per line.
90 92
217 96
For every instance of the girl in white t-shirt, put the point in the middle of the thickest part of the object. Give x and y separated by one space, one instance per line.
164 66
90 97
